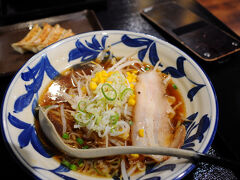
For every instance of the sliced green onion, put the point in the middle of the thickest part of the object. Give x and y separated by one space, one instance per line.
147 68
111 130
47 106
85 147
65 136
130 123
88 114
99 118
82 105
109 92
174 86
77 116
114 118
124 92
80 162
80 141
73 167
65 163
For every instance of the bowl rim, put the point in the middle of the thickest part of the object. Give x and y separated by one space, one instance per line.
21 161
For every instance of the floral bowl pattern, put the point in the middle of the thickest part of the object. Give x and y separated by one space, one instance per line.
21 98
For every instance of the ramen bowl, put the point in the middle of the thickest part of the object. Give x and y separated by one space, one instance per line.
21 99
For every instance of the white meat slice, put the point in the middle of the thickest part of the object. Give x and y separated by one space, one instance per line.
151 114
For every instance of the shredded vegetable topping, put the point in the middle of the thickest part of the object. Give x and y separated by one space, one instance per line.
101 102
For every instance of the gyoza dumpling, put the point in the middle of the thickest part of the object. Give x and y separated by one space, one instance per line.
68 33
53 36
38 38
20 46
47 28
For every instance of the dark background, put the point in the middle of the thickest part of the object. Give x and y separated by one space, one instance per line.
124 15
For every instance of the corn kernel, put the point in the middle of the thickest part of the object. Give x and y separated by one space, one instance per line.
132 86
141 132
84 90
125 135
133 96
109 82
93 85
110 73
95 79
101 79
129 79
135 71
131 102
104 73
98 73
135 156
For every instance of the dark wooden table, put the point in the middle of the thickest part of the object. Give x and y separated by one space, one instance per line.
224 74
228 11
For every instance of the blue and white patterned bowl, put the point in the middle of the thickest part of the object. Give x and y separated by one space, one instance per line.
22 97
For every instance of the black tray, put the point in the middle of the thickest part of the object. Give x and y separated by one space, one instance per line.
11 61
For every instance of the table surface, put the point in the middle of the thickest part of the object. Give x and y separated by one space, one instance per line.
124 15
228 11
